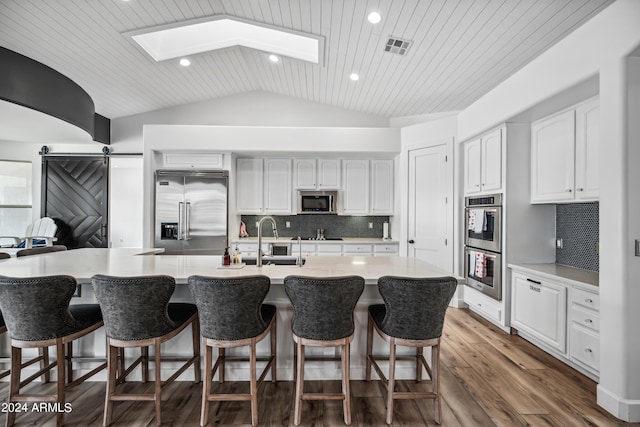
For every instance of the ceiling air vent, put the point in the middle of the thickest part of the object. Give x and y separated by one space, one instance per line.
397 46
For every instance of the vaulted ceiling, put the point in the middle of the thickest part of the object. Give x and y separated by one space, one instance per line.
460 49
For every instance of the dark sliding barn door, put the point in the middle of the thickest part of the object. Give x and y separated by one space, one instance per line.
74 191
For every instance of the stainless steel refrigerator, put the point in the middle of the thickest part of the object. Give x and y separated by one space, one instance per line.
191 213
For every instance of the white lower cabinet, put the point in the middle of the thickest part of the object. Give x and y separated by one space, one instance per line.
485 306
392 249
560 317
329 249
539 307
324 248
584 335
356 249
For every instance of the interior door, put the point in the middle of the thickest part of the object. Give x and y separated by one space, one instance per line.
428 214
75 195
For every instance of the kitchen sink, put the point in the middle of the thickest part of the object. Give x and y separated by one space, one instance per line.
273 260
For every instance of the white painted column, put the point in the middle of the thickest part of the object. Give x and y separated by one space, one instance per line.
619 388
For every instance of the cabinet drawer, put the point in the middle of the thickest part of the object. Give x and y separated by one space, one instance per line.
329 248
247 247
585 347
385 249
357 249
306 247
586 318
586 299
484 305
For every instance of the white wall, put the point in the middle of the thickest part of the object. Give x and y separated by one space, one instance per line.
247 109
125 210
598 49
436 132
619 388
28 151
613 33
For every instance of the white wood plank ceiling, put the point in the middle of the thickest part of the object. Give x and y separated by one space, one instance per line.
460 49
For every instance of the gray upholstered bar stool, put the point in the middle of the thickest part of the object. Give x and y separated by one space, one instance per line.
38 315
412 315
137 313
323 317
43 357
232 314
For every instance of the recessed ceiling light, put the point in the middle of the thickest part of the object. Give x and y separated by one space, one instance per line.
185 62
274 58
354 76
374 17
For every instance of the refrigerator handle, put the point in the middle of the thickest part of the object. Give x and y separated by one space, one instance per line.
187 222
180 220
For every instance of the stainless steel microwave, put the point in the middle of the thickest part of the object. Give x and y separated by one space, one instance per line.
317 202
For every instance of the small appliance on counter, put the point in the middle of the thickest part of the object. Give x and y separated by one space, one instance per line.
385 231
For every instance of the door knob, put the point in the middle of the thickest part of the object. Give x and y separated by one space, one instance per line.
411 241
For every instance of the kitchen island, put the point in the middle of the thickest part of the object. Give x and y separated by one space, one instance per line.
84 263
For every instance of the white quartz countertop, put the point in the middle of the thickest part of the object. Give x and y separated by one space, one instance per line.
577 275
289 240
84 263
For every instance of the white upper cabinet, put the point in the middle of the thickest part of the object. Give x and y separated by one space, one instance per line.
552 158
249 186
263 186
491 164
381 187
328 174
367 187
277 186
316 174
471 153
355 187
565 156
587 178
483 164
304 174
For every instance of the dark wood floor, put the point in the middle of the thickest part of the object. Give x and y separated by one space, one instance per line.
489 378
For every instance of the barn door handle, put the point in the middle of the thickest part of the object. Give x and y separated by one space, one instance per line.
103 230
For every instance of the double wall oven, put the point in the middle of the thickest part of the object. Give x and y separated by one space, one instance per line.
483 244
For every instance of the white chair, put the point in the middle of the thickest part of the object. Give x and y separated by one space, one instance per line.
43 229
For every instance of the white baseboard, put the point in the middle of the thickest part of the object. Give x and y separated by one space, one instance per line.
624 409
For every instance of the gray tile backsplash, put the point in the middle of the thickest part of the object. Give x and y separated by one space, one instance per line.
306 225
577 226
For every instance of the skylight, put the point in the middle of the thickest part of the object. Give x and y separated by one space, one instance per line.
202 35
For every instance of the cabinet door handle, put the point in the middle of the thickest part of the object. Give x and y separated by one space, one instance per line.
569 190
588 321
588 350
534 281
579 189
588 300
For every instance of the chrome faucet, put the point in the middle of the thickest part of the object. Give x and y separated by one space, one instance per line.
299 259
275 235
